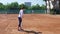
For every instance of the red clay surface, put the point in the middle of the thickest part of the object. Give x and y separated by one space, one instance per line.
32 24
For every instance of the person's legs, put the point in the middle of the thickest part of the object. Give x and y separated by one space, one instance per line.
20 21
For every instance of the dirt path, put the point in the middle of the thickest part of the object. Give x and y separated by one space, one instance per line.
32 24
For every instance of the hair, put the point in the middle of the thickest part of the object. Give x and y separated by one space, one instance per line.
22 8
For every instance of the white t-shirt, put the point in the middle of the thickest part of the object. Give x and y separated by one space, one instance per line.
20 13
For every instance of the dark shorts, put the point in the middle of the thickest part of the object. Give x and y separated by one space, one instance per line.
20 21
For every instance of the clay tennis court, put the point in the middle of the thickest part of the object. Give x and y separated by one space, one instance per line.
32 24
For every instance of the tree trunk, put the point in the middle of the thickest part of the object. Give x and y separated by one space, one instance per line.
48 7
51 5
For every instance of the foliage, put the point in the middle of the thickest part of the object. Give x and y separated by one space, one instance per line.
2 6
15 5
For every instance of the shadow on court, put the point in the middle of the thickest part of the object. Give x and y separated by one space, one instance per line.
31 32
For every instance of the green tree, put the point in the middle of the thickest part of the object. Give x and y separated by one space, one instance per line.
23 6
2 6
45 3
13 5
44 0
36 7
7 6
43 7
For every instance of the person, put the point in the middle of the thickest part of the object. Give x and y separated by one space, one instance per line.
20 19
32 11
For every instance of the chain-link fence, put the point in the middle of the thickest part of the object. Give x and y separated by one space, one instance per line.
25 11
